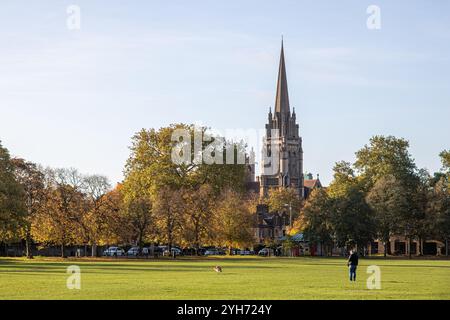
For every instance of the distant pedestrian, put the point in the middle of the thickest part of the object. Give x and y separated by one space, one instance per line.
352 263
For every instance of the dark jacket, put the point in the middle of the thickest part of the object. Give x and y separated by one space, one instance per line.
353 260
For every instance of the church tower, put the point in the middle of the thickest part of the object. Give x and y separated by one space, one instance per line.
282 158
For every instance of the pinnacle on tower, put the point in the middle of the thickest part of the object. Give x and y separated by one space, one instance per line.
282 98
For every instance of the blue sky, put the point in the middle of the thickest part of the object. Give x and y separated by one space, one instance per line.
75 98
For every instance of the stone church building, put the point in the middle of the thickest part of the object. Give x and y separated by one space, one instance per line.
282 162
282 159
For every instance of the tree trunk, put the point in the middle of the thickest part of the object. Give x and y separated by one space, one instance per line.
409 249
197 240
420 247
385 249
446 248
141 240
94 251
169 239
29 254
62 251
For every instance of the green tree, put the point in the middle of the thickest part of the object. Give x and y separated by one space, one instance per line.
438 210
316 219
388 200
12 209
352 220
389 156
386 156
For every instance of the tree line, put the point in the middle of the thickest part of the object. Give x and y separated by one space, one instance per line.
381 195
159 201
192 204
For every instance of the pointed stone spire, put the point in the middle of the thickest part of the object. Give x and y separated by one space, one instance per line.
282 98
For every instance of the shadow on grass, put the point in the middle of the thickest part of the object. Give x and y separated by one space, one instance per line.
14 266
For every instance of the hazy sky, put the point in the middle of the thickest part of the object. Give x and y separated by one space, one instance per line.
74 98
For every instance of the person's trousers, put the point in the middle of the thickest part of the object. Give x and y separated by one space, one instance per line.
353 272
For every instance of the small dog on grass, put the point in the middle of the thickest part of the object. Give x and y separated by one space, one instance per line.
218 269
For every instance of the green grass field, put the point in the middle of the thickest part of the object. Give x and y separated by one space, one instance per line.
243 278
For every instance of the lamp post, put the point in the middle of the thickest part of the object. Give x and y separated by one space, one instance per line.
290 213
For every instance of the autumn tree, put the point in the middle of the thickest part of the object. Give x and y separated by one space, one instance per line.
284 199
31 178
445 159
233 220
169 210
138 214
112 227
151 164
60 220
98 207
176 188
198 210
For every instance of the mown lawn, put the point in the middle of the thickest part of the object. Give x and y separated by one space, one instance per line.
243 278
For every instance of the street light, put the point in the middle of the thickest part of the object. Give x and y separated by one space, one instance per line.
290 213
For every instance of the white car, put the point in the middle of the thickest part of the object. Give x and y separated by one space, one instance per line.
212 252
114 252
266 252
133 251
174 250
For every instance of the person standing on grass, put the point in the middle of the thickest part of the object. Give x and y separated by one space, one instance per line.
352 263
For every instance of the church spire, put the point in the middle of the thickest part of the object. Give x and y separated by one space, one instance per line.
282 99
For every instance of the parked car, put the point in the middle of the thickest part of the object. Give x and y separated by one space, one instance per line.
114 252
193 251
232 251
266 252
134 252
158 251
174 250
246 252
212 252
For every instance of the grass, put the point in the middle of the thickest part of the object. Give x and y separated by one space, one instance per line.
243 278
